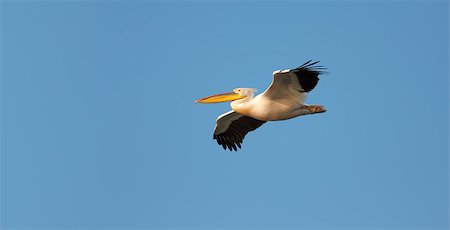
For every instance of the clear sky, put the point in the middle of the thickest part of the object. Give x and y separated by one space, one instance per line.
100 129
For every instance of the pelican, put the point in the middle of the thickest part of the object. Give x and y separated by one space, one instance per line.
284 99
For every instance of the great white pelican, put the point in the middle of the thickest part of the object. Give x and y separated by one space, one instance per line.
284 99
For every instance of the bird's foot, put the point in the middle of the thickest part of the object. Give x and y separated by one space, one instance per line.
315 108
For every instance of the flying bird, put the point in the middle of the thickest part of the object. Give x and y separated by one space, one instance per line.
284 99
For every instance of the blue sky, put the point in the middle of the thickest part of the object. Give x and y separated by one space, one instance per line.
99 128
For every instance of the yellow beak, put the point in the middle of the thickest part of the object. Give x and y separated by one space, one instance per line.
222 97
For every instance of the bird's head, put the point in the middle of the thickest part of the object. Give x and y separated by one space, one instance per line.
236 94
245 92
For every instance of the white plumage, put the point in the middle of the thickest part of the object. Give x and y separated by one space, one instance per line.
283 99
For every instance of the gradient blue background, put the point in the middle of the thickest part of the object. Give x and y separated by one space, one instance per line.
99 128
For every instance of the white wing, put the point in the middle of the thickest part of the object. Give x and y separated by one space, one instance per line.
295 83
231 128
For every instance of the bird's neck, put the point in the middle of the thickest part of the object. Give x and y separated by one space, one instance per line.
242 106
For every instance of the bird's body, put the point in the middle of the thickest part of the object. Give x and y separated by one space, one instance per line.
284 99
265 108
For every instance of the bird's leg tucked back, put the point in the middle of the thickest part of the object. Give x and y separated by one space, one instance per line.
315 109
308 109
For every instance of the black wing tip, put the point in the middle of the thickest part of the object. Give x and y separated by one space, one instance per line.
227 142
308 74
311 66
233 137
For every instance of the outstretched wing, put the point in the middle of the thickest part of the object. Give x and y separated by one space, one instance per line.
231 128
294 83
